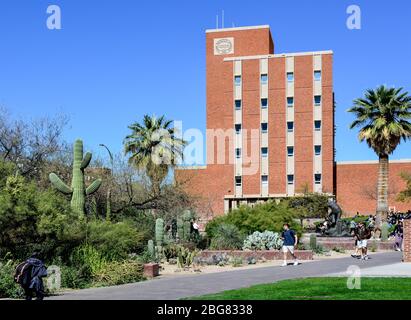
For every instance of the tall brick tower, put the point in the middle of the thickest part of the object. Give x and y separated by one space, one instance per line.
270 122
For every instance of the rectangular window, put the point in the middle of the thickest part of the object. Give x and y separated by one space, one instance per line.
238 104
264 103
238 128
317 150
290 76
317 100
238 181
290 151
264 79
237 81
290 179
317 178
317 125
290 126
238 153
290 102
264 127
317 75
264 180
264 152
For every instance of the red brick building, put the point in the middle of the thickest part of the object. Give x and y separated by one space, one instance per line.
270 126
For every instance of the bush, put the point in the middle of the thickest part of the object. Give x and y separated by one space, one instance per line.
115 241
119 272
267 240
227 237
8 288
267 216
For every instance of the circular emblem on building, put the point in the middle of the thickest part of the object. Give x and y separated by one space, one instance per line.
224 46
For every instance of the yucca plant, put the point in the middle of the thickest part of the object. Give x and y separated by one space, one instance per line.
383 117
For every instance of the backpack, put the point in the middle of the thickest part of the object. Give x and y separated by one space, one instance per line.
22 273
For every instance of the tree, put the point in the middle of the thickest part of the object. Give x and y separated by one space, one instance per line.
154 147
382 116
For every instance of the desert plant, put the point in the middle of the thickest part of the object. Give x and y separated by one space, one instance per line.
180 229
150 248
236 262
385 231
170 251
185 257
313 241
78 190
227 237
187 216
159 232
267 240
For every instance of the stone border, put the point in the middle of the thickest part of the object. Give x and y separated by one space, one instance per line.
263 254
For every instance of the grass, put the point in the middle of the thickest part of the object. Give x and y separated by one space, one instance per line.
321 289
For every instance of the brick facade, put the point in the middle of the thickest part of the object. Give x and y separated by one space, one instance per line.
357 186
214 184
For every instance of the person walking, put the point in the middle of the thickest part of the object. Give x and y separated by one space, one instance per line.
30 274
399 234
290 240
363 234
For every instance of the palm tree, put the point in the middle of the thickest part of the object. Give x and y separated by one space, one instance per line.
154 148
382 116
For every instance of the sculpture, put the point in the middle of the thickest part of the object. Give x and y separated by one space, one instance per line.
333 226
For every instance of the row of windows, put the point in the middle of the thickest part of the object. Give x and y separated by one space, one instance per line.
264 102
290 151
290 127
290 77
290 179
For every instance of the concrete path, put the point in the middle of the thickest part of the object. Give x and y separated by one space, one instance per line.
178 287
391 270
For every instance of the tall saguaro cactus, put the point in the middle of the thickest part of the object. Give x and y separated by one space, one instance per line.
78 190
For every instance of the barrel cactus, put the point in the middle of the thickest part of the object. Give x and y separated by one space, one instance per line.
78 190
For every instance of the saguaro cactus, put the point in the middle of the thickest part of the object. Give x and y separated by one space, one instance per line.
187 216
78 190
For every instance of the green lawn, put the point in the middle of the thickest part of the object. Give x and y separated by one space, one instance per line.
321 289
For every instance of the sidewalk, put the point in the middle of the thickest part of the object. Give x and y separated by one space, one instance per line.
173 288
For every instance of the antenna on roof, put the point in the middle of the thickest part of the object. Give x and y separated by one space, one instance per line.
222 19
216 22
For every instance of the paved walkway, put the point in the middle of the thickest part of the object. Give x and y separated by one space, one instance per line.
391 270
178 287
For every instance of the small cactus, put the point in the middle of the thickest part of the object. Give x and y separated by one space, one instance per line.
385 231
159 232
313 241
78 190
180 229
150 248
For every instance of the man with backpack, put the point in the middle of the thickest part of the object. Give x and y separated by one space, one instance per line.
29 274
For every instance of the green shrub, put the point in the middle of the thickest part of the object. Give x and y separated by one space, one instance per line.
119 272
116 240
76 277
8 288
313 241
227 237
267 216
236 262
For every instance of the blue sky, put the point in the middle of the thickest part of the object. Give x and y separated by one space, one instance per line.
104 67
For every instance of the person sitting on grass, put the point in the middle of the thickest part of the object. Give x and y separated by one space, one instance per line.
290 240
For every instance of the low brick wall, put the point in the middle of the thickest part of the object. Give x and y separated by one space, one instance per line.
264 254
347 243
407 241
